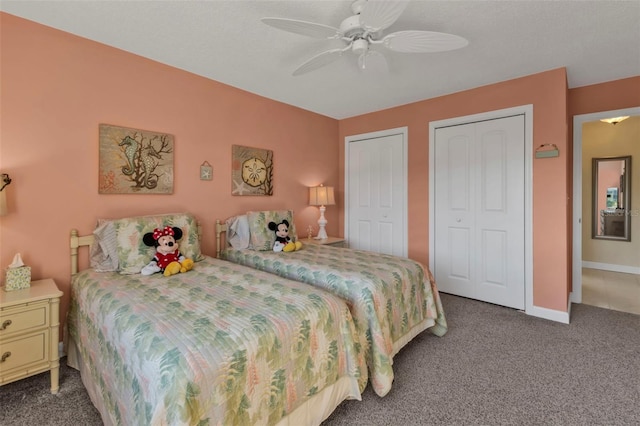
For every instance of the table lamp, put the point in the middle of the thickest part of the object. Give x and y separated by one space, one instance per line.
321 196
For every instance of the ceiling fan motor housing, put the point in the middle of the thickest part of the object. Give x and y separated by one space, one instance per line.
350 27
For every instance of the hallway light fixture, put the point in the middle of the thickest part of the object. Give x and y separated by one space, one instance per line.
4 181
321 196
614 120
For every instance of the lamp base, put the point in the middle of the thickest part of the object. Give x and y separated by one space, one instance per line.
322 235
322 222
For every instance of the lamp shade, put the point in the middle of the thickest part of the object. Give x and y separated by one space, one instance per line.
321 196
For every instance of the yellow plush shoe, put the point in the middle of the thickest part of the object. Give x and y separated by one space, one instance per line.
291 246
172 269
187 265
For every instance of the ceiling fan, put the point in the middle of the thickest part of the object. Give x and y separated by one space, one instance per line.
363 30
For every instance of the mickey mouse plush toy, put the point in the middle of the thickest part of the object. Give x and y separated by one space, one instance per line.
168 258
283 241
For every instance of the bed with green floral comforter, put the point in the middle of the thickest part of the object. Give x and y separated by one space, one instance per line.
221 344
392 299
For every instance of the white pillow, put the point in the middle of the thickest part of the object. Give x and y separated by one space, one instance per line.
103 256
238 232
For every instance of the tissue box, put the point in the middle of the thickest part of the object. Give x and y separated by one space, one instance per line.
18 278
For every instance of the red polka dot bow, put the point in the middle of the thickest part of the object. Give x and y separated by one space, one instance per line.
157 233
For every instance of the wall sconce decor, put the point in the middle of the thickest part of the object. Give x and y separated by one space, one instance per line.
614 120
321 196
4 181
547 150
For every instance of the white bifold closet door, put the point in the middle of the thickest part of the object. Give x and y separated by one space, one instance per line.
479 211
376 189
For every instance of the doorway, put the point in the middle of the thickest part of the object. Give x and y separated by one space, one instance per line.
525 280
577 263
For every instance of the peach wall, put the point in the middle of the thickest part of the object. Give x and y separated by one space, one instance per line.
612 95
547 92
57 88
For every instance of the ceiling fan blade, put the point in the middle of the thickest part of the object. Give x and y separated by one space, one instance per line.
422 41
373 62
305 28
320 60
377 15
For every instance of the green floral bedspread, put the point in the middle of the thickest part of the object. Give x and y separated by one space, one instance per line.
391 298
221 344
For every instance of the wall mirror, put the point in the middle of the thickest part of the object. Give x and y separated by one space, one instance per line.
612 198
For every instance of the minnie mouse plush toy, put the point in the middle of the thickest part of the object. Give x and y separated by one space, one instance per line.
168 258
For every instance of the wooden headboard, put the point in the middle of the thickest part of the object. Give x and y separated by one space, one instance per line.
75 242
220 228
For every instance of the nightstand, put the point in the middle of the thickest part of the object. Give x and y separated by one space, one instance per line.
330 241
29 332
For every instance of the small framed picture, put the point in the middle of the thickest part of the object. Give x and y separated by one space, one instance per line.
206 171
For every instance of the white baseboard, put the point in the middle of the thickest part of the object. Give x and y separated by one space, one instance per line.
61 349
612 267
551 314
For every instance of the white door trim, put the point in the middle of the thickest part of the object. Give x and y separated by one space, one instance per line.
527 110
404 131
578 121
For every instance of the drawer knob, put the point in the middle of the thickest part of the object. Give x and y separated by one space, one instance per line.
5 324
5 356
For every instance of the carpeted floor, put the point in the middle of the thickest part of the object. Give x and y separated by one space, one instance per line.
495 366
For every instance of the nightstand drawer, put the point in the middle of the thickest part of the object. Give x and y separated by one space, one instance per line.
23 318
23 352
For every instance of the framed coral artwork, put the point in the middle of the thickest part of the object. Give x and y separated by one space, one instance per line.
251 171
135 161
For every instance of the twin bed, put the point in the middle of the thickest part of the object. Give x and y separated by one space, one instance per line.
392 299
227 343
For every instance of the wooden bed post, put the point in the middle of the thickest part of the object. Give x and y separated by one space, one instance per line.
74 251
218 232
220 228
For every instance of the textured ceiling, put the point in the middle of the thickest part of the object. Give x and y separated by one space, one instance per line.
225 41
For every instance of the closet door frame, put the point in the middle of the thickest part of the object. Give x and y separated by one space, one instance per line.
527 111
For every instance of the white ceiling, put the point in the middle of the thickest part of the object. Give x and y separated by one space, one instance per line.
596 41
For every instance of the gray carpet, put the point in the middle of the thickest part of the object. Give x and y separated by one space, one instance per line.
495 366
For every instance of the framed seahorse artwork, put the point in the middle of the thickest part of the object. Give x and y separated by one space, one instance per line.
134 161
251 171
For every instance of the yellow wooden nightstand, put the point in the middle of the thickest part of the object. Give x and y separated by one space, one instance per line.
330 241
29 327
